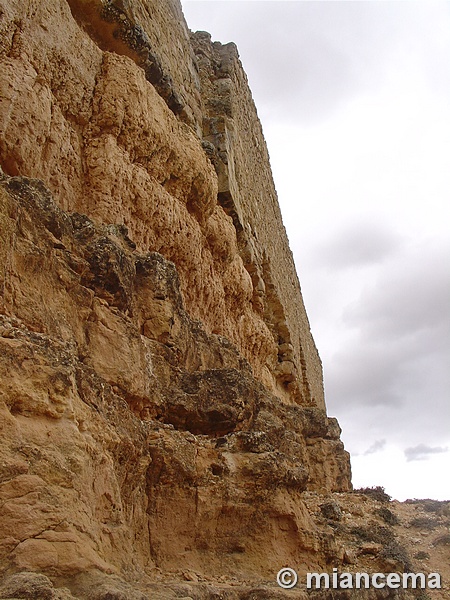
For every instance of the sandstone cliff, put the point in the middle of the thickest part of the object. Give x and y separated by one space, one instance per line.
162 405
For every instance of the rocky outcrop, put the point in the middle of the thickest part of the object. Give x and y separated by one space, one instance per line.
88 93
163 431
234 141
126 425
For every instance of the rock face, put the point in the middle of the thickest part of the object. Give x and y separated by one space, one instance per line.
123 119
163 426
131 437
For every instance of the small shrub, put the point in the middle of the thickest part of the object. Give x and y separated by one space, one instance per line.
376 493
422 595
374 533
421 555
395 551
388 516
442 540
331 510
424 523
433 506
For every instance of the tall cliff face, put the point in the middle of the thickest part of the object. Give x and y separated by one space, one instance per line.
95 101
162 410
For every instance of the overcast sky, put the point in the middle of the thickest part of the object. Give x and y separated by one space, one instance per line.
354 99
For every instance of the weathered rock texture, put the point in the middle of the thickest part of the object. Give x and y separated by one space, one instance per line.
131 438
162 415
95 100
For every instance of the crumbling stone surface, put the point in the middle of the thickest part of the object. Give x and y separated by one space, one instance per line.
233 139
32 586
163 432
125 118
129 432
132 453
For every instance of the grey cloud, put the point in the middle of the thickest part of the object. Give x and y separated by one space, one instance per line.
363 374
422 452
385 389
410 296
377 446
397 358
358 244
382 388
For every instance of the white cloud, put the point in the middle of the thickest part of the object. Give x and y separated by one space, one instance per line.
402 479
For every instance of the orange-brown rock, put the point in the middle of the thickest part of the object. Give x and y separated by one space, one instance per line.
130 436
163 431
88 106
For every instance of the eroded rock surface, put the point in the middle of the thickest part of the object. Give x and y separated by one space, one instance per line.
127 426
127 121
163 432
